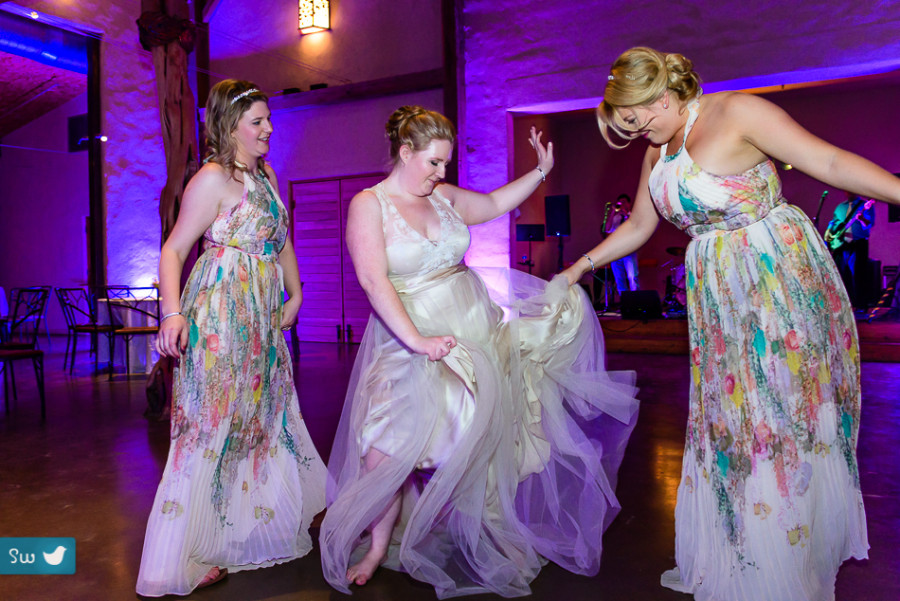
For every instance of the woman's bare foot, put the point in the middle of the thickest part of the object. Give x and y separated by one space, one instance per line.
213 576
360 573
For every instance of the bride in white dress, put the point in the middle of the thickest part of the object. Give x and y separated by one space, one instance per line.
481 434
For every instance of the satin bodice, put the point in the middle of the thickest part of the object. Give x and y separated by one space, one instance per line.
411 253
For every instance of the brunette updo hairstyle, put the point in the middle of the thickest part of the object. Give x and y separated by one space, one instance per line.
416 127
640 76
222 115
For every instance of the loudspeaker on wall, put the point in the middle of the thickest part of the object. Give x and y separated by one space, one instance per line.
556 213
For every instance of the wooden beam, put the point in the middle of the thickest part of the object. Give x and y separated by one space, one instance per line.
97 201
389 86
449 20
201 51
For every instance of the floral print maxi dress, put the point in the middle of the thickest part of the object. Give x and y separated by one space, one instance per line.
769 503
243 479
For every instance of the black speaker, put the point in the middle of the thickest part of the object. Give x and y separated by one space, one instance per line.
556 213
641 304
874 282
893 213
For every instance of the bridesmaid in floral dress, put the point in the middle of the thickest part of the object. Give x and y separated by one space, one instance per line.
243 479
769 503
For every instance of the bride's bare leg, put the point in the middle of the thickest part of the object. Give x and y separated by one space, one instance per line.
360 573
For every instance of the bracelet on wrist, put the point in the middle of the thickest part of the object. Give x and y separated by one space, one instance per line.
541 171
590 261
168 315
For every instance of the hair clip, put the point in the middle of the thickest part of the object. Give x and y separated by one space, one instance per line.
242 94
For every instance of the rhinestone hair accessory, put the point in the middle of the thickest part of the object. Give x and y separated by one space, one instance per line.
242 94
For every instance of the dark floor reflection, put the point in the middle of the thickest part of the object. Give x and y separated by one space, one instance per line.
91 472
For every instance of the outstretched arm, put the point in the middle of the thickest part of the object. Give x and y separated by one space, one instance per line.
365 241
475 208
771 130
629 236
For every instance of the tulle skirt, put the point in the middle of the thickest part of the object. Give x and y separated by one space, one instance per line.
505 452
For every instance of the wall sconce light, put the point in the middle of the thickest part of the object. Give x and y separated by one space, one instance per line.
315 15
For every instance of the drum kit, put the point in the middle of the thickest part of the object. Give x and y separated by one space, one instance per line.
675 300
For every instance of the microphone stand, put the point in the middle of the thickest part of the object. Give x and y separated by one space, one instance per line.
606 268
821 202
527 260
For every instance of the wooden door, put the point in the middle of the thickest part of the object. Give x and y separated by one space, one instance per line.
332 296
356 305
317 242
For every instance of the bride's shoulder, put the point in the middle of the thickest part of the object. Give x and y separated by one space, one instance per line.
445 192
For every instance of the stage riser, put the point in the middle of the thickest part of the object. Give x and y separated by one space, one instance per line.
879 341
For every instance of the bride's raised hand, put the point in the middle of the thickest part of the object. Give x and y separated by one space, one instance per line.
544 153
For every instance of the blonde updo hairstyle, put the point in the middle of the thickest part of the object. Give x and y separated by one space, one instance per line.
224 109
639 77
415 127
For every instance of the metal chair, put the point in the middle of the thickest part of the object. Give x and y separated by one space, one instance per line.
79 307
133 311
12 295
29 305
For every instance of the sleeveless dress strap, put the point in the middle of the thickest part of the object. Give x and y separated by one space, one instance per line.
384 203
693 110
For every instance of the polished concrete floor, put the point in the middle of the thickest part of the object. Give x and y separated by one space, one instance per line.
90 472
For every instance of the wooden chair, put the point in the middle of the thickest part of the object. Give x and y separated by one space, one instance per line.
21 342
79 307
133 311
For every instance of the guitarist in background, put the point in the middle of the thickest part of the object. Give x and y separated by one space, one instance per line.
848 238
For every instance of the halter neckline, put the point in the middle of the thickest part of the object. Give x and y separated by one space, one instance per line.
693 111
244 168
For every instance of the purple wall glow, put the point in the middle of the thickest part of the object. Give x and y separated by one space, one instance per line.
562 53
510 64
368 41
133 159
849 114
336 140
43 208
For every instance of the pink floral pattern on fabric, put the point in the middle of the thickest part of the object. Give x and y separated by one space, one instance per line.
243 479
770 470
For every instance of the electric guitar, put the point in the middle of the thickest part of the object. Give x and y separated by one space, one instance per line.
835 239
